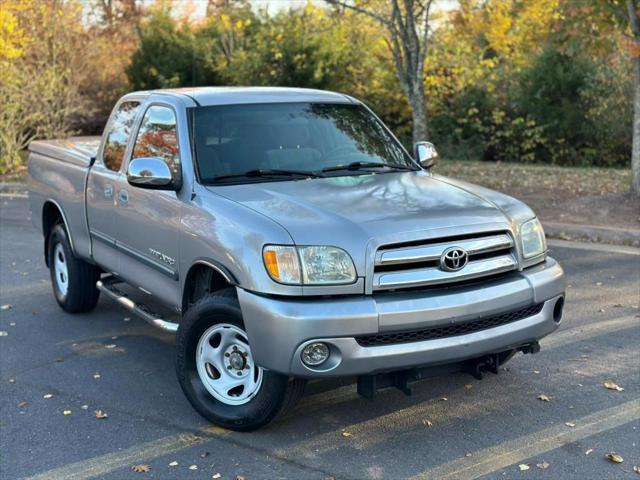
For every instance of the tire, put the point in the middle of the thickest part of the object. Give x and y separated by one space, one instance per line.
268 394
73 280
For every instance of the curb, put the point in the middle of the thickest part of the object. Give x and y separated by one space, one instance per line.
592 233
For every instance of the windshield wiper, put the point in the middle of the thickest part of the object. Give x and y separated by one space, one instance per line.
269 173
363 165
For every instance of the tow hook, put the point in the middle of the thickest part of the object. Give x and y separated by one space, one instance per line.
488 363
531 348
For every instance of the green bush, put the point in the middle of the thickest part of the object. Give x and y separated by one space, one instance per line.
563 110
550 94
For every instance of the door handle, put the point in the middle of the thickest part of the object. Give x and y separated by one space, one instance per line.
124 196
108 191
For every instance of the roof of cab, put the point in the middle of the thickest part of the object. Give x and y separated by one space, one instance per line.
209 96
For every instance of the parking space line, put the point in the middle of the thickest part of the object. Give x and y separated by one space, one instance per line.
591 330
13 195
488 460
104 464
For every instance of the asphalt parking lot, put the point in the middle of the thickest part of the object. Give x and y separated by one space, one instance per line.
453 427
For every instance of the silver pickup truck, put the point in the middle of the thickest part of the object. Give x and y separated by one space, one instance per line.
290 236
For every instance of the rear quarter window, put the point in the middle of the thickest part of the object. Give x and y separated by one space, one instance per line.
118 136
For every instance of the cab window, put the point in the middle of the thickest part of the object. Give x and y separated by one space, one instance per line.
157 137
118 137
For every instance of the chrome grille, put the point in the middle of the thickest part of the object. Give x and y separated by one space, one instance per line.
409 266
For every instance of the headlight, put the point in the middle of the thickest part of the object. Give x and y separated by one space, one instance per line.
326 265
312 265
532 238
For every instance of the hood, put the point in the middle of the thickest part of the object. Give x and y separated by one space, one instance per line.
353 211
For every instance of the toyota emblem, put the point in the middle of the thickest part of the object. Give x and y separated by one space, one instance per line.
453 259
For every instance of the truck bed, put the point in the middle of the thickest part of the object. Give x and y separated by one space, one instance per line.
76 150
58 172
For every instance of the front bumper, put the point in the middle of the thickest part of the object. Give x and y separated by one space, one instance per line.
279 328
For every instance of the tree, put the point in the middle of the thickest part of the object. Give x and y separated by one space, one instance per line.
407 25
42 74
634 21
167 54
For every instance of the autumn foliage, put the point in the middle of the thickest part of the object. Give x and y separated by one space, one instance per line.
547 81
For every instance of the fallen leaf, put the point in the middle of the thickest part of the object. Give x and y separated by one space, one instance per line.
47 396
544 398
142 468
613 386
570 424
614 457
216 475
22 404
523 467
6 306
99 414
346 434
66 412
193 467
427 423
543 465
173 464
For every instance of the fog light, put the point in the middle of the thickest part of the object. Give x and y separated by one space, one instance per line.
315 354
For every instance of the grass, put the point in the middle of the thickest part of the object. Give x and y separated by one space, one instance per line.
519 177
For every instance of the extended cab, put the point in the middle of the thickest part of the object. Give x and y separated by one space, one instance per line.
290 236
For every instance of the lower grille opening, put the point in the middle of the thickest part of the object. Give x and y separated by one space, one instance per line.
445 331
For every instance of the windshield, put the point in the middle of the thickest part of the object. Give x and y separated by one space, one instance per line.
270 141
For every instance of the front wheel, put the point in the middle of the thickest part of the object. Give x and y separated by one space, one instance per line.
217 371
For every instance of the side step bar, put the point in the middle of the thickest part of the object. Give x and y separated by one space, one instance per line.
108 285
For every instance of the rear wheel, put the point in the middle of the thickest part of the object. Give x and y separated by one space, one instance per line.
73 279
217 371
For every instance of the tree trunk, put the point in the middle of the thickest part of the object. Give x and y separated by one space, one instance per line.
418 113
635 151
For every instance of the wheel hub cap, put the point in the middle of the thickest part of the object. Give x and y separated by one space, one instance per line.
60 269
225 365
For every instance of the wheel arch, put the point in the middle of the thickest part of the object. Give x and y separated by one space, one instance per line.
204 277
52 214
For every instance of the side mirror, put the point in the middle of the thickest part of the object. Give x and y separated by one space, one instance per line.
426 154
150 172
